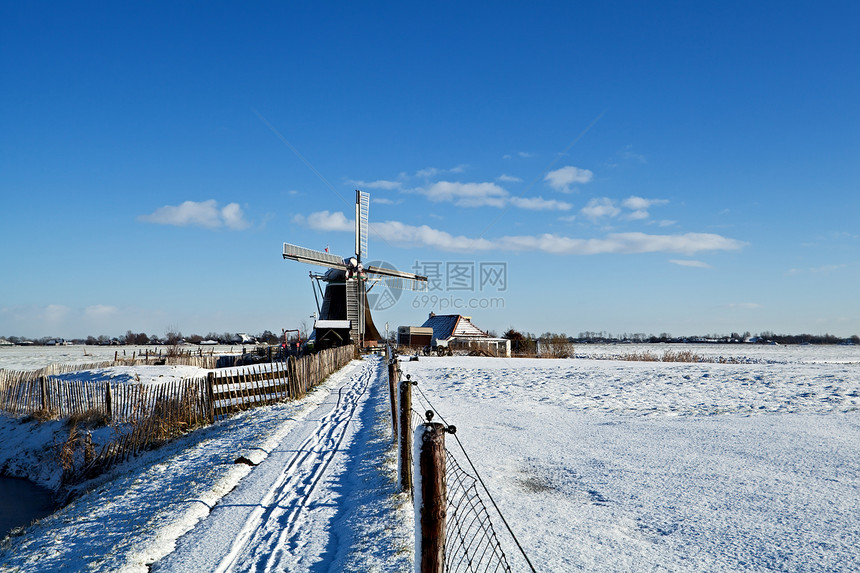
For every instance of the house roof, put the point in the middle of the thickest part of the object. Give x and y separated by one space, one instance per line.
446 326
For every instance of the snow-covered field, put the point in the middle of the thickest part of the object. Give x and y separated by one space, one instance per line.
35 357
766 353
603 465
598 465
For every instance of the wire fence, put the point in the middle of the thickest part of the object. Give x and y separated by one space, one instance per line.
471 542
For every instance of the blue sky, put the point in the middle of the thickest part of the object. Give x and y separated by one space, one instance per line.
688 168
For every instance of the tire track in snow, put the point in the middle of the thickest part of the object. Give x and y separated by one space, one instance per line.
270 535
277 518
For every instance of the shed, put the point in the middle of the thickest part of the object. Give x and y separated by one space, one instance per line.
414 336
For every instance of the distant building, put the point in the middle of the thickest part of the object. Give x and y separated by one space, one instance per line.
417 336
4 342
457 332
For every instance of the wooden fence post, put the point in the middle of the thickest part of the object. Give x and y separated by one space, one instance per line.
393 379
43 388
405 433
210 395
430 497
108 402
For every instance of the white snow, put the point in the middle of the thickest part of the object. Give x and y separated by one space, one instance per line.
603 465
598 465
35 357
312 481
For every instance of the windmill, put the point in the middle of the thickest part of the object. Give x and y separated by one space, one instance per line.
348 281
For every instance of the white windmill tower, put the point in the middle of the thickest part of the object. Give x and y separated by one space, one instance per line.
348 280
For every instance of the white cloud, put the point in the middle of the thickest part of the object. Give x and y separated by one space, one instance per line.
622 243
562 179
378 184
690 263
816 270
639 206
100 311
540 204
198 214
431 172
386 201
639 203
55 312
487 195
603 207
233 217
467 194
628 155
401 234
326 221
504 178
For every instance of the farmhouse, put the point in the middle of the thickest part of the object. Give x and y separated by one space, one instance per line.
457 332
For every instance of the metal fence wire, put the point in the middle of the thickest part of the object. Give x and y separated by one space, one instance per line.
471 544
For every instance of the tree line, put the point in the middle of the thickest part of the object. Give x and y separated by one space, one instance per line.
526 341
171 337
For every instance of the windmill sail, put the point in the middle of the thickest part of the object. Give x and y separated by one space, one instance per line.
399 283
362 213
303 255
345 297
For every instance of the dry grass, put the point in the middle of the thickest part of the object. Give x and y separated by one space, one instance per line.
668 356
90 419
41 415
675 356
167 419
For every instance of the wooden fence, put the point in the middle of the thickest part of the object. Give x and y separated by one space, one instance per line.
148 415
222 392
242 387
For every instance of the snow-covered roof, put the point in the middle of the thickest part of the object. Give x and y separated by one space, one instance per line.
336 324
446 326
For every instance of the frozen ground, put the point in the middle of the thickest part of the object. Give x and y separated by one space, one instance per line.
603 465
599 465
35 357
321 497
765 353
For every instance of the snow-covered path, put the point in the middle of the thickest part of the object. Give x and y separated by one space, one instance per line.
277 518
324 477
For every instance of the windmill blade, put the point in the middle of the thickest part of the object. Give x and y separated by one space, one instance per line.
401 283
382 271
362 213
303 255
